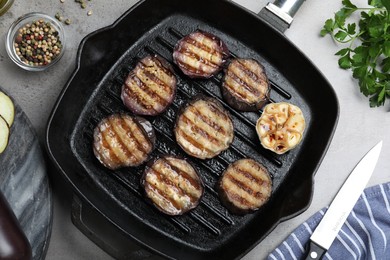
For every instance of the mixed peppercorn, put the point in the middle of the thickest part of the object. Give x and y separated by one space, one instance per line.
38 43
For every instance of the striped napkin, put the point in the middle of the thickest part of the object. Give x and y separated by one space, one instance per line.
364 235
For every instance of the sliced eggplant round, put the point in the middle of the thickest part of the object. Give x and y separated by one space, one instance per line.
7 108
121 140
200 54
203 128
172 184
245 86
150 87
4 134
280 127
245 186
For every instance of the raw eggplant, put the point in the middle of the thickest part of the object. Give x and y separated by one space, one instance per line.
13 242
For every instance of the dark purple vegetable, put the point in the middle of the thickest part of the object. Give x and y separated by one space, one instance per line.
204 128
150 87
172 184
200 54
245 86
244 186
13 242
122 141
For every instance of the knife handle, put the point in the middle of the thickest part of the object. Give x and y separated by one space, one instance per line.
314 251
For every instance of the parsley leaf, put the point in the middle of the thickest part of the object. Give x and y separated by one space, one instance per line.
368 51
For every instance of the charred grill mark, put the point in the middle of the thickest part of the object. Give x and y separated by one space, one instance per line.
130 129
150 87
201 148
114 125
173 185
112 141
198 130
202 52
104 152
249 71
165 181
249 175
237 198
137 133
160 66
245 186
180 186
136 90
150 78
153 186
194 40
146 80
252 81
154 73
219 110
208 120
188 177
241 185
210 43
183 57
241 83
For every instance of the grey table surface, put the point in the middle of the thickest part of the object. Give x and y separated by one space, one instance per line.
359 126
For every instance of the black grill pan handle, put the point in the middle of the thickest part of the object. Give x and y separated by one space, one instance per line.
280 13
116 244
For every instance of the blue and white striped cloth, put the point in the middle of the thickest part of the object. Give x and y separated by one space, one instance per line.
364 235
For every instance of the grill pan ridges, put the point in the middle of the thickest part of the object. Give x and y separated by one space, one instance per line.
187 89
209 230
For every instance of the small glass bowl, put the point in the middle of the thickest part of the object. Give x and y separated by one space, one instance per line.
5 6
13 32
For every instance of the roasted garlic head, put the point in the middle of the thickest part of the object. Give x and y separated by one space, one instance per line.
280 127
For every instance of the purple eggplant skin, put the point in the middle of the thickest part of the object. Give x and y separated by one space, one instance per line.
200 71
147 128
13 242
261 79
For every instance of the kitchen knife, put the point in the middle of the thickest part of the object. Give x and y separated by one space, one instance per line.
342 205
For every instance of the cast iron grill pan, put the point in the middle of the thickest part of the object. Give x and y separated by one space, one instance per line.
209 230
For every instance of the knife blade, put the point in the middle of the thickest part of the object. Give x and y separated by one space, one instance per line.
342 205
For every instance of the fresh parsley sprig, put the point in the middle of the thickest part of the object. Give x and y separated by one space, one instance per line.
368 51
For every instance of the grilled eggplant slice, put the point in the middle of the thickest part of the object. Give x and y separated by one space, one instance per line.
204 128
172 185
245 86
200 54
280 127
123 141
150 87
245 186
